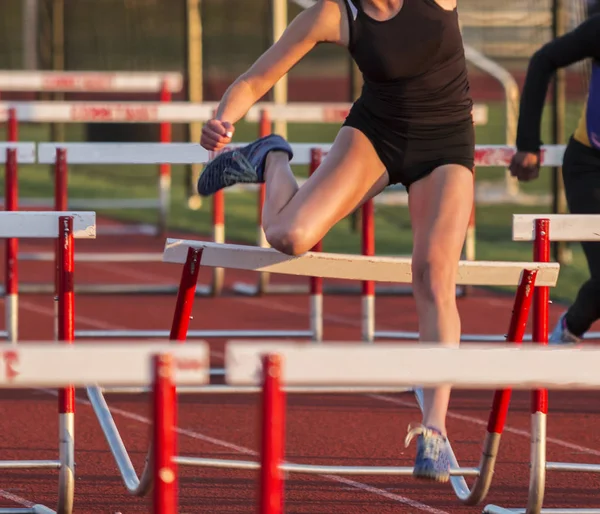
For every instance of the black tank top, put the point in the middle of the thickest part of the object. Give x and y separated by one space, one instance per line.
413 64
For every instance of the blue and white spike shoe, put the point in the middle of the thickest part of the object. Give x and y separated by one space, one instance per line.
561 334
243 165
431 462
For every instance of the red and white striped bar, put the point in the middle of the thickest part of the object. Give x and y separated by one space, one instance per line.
43 364
483 366
178 112
90 81
191 153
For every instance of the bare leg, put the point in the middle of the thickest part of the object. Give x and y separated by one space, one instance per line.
296 218
440 207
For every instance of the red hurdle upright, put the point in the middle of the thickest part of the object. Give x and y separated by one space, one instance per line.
11 200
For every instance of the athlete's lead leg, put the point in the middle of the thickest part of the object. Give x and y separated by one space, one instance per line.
295 219
440 207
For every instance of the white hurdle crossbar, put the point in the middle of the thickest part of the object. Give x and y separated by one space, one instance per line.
560 227
351 267
473 366
118 363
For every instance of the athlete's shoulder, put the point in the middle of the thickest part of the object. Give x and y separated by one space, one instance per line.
329 20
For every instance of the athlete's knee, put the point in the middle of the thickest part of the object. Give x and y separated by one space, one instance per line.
288 239
434 279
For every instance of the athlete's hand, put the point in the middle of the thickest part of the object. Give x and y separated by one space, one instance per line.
525 166
216 135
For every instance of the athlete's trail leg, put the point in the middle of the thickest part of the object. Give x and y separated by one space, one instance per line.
440 207
295 219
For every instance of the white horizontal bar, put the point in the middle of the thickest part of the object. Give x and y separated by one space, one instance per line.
107 112
40 224
192 153
90 81
477 366
501 155
95 257
25 152
119 363
563 227
124 153
353 267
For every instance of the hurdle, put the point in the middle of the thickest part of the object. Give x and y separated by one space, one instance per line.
194 254
64 227
43 365
275 366
543 229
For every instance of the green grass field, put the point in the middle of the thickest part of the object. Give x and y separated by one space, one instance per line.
392 222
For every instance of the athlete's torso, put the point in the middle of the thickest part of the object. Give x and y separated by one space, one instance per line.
588 131
413 64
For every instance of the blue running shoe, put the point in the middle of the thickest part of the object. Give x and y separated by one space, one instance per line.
561 334
432 461
243 165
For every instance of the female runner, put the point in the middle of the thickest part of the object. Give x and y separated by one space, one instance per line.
411 125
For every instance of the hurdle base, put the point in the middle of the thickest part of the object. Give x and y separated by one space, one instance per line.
36 509
192 334
246 289
110 289
473 338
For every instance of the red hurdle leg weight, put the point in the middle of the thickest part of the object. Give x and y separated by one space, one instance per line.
186 295
272 438
165 494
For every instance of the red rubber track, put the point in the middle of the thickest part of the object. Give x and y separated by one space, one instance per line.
325 429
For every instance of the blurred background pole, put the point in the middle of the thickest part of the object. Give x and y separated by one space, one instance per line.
559 204
57 130
195 91
30 31
279 13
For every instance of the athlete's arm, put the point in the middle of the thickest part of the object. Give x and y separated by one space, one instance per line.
323 22
579 44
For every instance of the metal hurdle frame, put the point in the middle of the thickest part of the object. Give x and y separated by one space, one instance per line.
194 254
542 229
67 366
64 227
